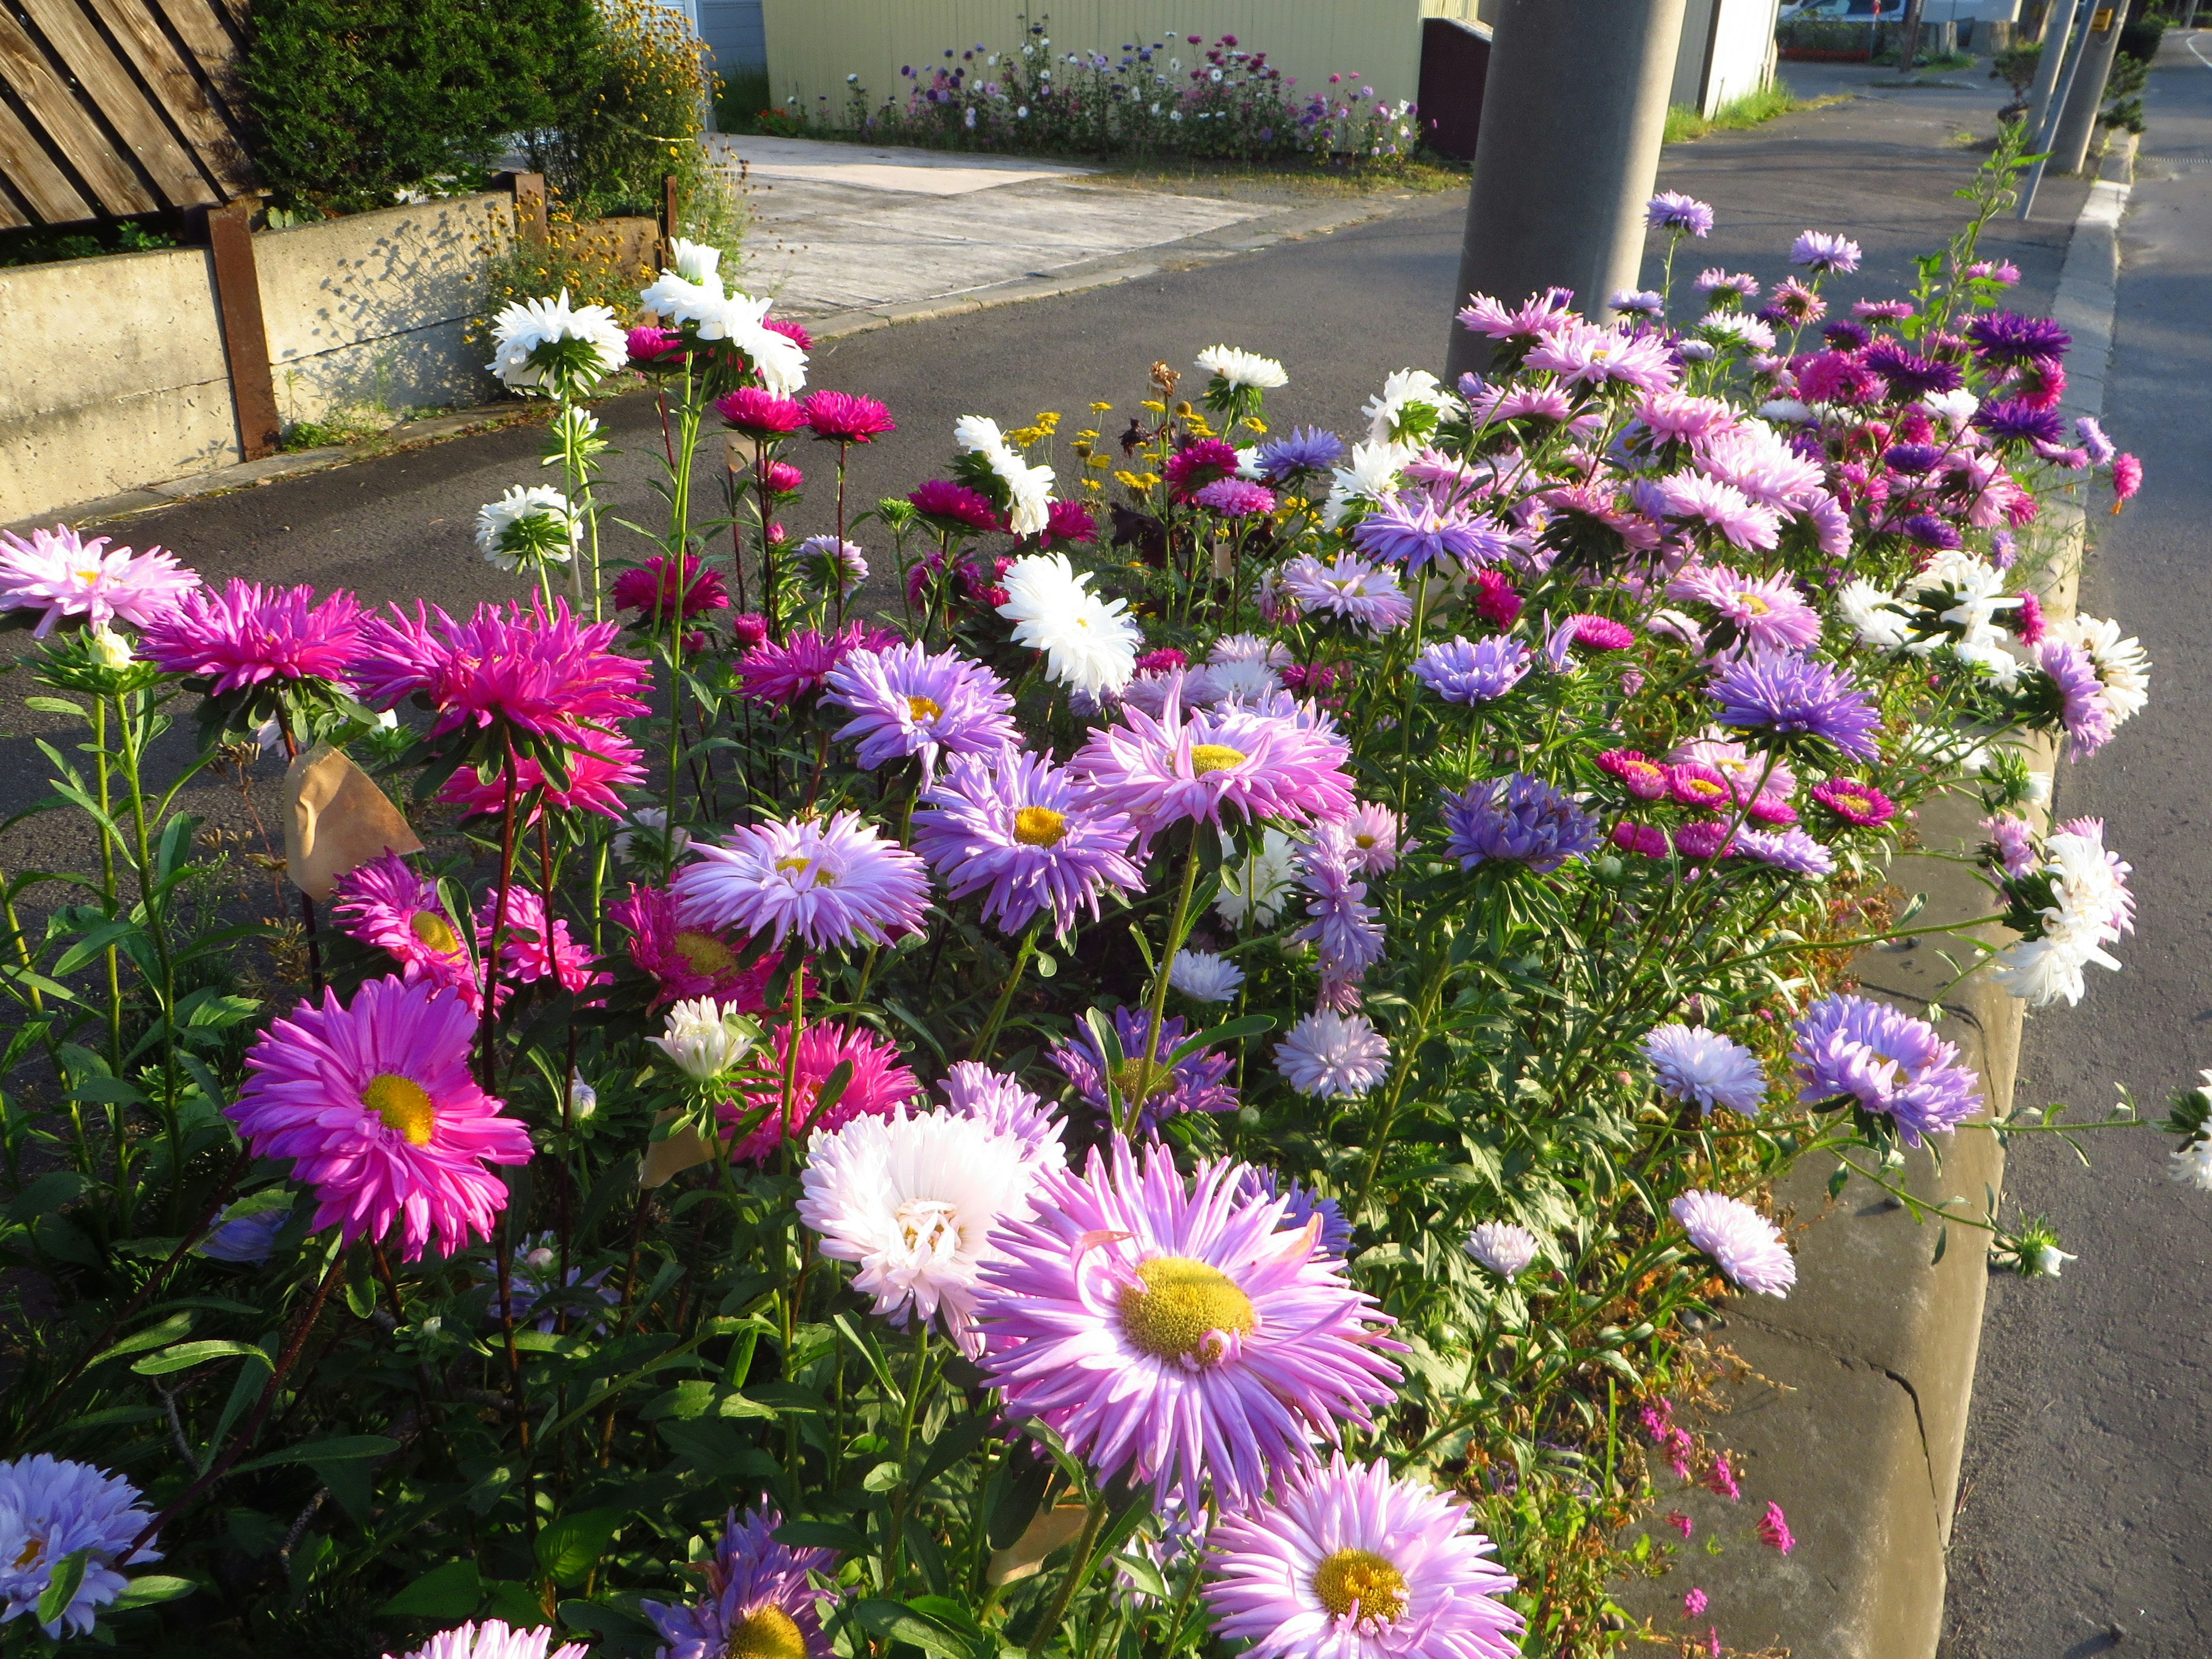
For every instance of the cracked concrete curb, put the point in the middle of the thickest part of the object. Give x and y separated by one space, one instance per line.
1854 1417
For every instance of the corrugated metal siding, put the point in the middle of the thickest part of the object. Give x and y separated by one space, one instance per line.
813 45
733 30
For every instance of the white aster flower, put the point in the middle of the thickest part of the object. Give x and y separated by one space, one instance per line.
911 1201
529 526
1372 474
2090 909
527 340
1871 614
110 649
1242 368
2043 1260
1502 1247
1257 888
695 262
1089 643
1328 1053
1030 487
1694 1065
2121 664
1956 407
1203 977
742 320
1785 409
1740 326
1407 390
645 833
705 1039
1248 463
1241 680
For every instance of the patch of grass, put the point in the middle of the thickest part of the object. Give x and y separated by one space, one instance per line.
1284 181
340 426
740 100
1754 109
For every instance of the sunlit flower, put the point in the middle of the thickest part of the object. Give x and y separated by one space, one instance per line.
1501 1247
1089 643
249 634
58 572
1746 1245
834 881
51 1509
1020 832
386 903
546 674
1256 888
1695 1065
529 527
1886 1062
1204 976
759 1601
877 1084
549 345
1237 367
688 963
1328 1053
1517 819
906 701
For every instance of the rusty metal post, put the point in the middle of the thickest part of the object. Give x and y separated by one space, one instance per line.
670 221
245 337
529 207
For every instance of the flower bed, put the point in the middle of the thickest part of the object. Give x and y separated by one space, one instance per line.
1112 1092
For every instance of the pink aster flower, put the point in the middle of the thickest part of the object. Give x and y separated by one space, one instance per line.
528 952
1024 836
2127 479
600 767
1582 353
1699 786
1642 778
782 671
1236 498
834 881
1539 315
1195 764
2011 842
249 634
58 572
1597 633
651 589
686 963
906 701
1495 601
548 675
760 415
842 418
954 506
1159 1326
375 1105
1769 613
1704 840
1694 1603
1351 1564
1855 802
877 1085
1375 838
759 1599
1746 1245
1720 1480
1647 839
1763 781
1743 522
1679 417
388 904
494 1639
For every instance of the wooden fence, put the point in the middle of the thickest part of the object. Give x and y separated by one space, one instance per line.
113 108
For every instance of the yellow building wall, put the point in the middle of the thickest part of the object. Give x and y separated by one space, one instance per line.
813 45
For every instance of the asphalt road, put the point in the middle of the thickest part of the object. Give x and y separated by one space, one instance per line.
2086 1522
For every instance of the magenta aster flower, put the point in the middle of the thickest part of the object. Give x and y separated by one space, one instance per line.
1774 1530
1647 839
1699 786
792 330
376 1107
954 507
1159 1326
494 1639
58 572
1704 840
386 903
759 1603
1236 498
1495 601
759 414
688 962
652 588
654 350
1832 377
1746 1245
782 673
1643 777
1884 1062
1195 764
844 418
2127 479
1069 524
904 701
1350 1563
878 1085
836 881
1199 464
782 478
528 950
550 676
600 767
1768 612
1597 633
1796 695
1020 833
1855 802
249 634
1193 1084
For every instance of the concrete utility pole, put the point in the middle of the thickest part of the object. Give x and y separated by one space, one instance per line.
1573 110
2061 14
2069 149
1908 34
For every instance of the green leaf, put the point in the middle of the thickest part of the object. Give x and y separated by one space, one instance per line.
1143 1574
452 1591
154 1336
885 1477
1230 1031
61 1588
53 706
822 1534
186 1355
339 1449
903 1624
151 1591
569 1548
515 1602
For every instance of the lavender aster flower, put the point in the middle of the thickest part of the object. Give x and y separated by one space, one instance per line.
1018 831
50 1509
1161 1328
834 881
1328 1053
1746 1245
1886 1062
1473 672
1300 1206
1672 210
1193 1084
1796 695
1518 819
2092 434
1349 588
494 1638
904 701
1300 453
759 1603
1791 849
2078 692
1694 1064
1413 530
1823 252
1351 1564
999 1099
1344 930
1501 1247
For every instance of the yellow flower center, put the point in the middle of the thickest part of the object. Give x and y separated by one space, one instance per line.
31 1553
1363 840
703 953
1138 1081
923 709
1040 826
429 928
1349 1579
1856 802
1183 1307
1754 604
822 877
768 1632
87 575
403 1104
1213 757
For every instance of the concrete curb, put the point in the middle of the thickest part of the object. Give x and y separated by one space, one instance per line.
1854 1414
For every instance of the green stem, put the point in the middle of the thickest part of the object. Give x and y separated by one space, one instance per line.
982 1050
1079 1569
1176 929
100 766
895 1547
1410 1046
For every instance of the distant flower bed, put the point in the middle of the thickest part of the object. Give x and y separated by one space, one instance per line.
1177 97
1152 1044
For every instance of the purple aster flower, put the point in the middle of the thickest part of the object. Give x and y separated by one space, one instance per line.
2011 843
1789 849
1913 459
1747 1247
1019 832
2014 420
1885 1060
1672 210
1908 375
904 701
1347 587
247 1240
1928 530
1582 353
1413 530
759 1601
1823 252
1846 335
2077 692
2005 337
1794 695
1517 819
1354 1564
833 881
1161 1328
998 1100
1704 840
2100 447
1344 930
1692 1064
1473 671
1768 612
51 1509
1300 1206
1300 453
1193 1084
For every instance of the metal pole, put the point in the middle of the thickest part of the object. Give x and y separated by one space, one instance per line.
2047 128
2061 13
1573 109
2077 121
